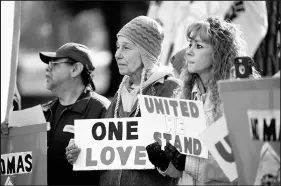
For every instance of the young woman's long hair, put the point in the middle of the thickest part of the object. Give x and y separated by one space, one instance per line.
227 42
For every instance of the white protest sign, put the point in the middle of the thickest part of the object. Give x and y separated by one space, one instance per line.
264 124
113 143
177 121
216 139
29 116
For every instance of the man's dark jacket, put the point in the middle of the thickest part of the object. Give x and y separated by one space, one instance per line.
89 105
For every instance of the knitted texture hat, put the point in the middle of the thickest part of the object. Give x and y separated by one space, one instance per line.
148 35
178 60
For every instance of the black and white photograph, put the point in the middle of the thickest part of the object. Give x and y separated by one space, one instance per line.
159 93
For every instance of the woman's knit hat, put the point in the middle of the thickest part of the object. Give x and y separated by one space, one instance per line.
148 35
178 60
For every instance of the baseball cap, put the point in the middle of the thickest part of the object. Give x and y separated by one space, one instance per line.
75 51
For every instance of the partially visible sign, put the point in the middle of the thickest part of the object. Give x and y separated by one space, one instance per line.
269 167
249 131
16 163
8 181
264 124
24 156
216 138
28 116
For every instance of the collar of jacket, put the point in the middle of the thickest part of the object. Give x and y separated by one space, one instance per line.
153 92
198 90
79 106
198 87
145 90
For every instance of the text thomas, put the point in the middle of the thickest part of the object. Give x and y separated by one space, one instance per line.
16 163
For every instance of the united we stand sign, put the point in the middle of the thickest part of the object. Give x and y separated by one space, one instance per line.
177 121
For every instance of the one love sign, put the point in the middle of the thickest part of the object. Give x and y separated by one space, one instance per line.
115 143
120 143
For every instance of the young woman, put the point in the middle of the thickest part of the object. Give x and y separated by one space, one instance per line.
213 46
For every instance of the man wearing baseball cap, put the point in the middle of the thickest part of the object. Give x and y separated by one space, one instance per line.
69 78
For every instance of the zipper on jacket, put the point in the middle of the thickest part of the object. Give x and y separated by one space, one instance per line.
55 128
50 132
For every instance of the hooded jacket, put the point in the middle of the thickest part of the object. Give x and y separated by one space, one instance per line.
161 83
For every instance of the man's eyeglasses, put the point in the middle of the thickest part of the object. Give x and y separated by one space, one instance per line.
52 64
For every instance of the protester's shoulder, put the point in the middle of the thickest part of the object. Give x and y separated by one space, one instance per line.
96 98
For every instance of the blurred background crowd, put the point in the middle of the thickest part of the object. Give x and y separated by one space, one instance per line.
46 25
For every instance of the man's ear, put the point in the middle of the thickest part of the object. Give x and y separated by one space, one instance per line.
76 69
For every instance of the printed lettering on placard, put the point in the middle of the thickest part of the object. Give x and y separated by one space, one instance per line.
16 163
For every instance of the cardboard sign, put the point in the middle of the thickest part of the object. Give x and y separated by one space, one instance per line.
115 143
269 167
239 97
8 181
24 156
264 124
217 140
177 121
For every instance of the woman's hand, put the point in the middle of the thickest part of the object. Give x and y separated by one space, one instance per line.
157 156
72 152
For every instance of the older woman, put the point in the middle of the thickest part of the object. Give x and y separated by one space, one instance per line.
139 45
213 46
